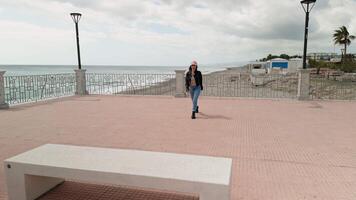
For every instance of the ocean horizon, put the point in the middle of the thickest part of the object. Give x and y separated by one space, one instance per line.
19 70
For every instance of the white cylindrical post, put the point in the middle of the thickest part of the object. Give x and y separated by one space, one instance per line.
304 84
180 83
81 88
3 104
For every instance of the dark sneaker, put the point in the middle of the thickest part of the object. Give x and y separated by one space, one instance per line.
193 115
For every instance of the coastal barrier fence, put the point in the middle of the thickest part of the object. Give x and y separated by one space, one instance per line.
333 88
32 88
251 85
131 84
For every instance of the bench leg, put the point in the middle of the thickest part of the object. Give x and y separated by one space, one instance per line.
207 196
215 193
38 185
28 187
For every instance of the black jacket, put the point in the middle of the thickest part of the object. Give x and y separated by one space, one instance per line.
198 79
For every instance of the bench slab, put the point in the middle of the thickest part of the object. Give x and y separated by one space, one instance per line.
34 172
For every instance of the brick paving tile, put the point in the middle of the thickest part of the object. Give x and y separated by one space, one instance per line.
70 190
281 149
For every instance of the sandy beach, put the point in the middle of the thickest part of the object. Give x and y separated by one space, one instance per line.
167 87
239 82
231 82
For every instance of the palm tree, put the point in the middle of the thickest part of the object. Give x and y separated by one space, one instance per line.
343 37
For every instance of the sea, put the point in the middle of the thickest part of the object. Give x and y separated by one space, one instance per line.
19 89
20 70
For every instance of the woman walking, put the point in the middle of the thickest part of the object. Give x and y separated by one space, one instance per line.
194 84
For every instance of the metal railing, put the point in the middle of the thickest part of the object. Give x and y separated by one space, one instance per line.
322 87
131 84
32 88
250 85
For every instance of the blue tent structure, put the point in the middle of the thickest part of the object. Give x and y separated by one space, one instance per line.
279 63
283 65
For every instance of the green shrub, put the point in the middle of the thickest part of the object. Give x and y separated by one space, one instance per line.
347 66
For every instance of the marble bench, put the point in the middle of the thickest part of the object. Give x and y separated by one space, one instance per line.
31 174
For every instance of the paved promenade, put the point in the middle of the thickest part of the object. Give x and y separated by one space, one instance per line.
281 150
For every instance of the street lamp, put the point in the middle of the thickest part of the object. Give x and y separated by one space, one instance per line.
307 6
76 17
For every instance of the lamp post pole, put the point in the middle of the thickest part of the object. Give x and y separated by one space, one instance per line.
307 10
306 39
76 17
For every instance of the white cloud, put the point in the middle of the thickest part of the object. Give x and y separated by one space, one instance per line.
167 32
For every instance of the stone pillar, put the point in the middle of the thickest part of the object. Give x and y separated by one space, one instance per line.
81 88
3 104
180 83
304 84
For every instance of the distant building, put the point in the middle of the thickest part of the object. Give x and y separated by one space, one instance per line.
335 60
322 56
284 65
295 64
332 57
258 67
277 65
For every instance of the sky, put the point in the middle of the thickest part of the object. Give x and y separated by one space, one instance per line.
166 32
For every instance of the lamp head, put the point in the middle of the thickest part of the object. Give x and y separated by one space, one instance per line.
76 17
305 4
307 1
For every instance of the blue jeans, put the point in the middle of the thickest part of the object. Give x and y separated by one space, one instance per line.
194 94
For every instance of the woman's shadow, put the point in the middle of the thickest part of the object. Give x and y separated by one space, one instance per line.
207 116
